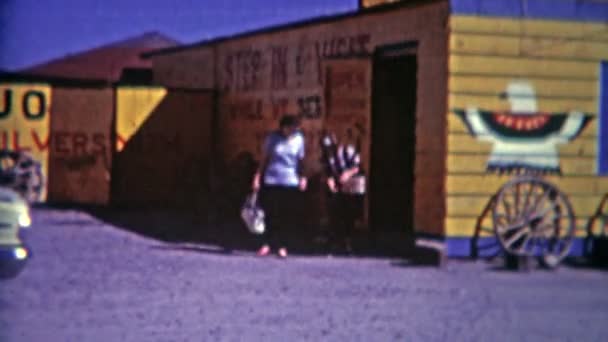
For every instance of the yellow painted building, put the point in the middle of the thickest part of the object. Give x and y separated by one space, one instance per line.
25 121
514 67
99 144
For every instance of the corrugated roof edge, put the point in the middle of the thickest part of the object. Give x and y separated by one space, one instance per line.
293 25
15 77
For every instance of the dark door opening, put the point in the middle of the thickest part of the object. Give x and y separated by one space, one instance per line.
393 143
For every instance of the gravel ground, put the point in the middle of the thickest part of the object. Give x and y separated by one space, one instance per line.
90 281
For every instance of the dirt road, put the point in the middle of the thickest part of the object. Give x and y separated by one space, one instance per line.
91 281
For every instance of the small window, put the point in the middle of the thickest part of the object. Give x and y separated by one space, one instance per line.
602 139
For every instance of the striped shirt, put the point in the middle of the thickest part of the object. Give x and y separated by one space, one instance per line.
339 158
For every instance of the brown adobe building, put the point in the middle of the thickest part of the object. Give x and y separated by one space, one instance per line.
412 79
321 70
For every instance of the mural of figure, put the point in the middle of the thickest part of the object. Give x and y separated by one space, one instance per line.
524 138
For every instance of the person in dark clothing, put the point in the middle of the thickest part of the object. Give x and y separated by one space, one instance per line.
346 185
280 181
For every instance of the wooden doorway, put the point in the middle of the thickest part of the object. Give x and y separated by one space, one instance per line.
393 139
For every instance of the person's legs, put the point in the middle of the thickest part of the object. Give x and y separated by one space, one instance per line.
336 221
287 207
268 201
345 210
353 208
279 206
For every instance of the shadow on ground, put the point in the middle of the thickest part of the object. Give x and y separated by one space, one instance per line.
587 263
187 231
501 264
175 226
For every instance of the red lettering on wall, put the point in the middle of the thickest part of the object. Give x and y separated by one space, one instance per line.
13 140
335 47
4 140
60 142
279 73
242 70
99 143
79 143
40 145
16 145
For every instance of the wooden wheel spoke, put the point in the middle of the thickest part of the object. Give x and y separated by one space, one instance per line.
517 195
507 207
486 229
508 228
522 248
518 235
543 213
537 203
527 198
502 221
539 230
502 216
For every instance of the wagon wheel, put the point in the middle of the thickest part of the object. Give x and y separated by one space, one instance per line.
532 217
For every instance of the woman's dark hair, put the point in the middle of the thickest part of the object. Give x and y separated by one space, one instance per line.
289 120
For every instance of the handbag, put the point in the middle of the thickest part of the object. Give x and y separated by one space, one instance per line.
354 185
253 215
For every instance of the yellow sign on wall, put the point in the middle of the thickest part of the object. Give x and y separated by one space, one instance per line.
133 107
25 121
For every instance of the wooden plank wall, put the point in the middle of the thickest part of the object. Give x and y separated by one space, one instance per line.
263 76
192 69
163 147
561 61
81 151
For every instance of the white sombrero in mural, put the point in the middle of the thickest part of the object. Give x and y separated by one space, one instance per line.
523 138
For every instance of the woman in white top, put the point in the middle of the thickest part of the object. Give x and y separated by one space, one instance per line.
280 180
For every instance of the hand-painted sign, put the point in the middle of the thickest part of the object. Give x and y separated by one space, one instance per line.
25 121
523 138
134 107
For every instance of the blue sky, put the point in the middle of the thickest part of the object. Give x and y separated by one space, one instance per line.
34 31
